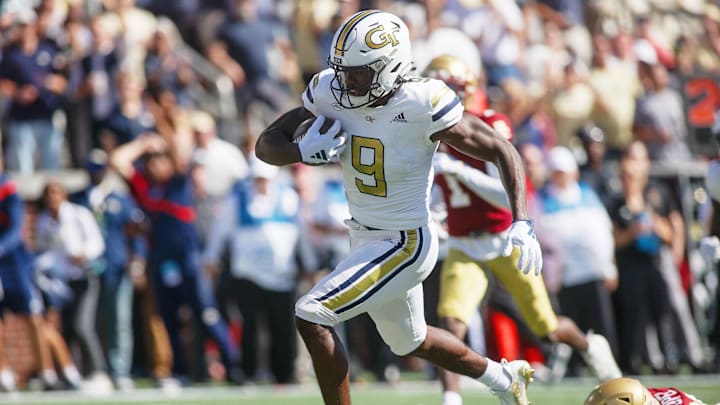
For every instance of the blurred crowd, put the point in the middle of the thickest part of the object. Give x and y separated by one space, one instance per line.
183 256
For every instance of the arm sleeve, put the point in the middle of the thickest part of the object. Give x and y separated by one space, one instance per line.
445 107
11 238
488 188
309 95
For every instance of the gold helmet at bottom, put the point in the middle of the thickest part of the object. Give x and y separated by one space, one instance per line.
455 73
620 391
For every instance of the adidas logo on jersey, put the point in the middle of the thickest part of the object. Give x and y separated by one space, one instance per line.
399 118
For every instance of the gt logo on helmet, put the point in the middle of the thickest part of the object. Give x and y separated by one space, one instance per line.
377 37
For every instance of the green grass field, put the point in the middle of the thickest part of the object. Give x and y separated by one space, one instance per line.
568 392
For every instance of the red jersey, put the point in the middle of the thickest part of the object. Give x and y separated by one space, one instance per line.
673 396
468 213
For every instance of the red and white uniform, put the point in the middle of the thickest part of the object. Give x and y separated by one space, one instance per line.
463 204
673 396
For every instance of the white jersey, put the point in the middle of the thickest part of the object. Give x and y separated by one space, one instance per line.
387 164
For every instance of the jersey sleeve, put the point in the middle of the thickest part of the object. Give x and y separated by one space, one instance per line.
314 95
445 107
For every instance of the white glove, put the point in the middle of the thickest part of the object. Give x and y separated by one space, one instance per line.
522 236
710 248
317 148
444 163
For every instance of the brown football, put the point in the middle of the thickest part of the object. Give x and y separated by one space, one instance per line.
305 125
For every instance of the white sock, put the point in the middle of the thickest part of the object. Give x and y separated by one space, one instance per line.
49 376
495 377
451 398
7 379
72 375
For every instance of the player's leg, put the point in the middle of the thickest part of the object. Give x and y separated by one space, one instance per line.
530 295
329 360
401 323
379 260
462 286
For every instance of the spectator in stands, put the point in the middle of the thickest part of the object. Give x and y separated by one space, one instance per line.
670 258
641 225
329 210
659 116
496 27
218 165
535 169
30 75
70 246
310 21
120 222
163 189
587 272
573 102
269 251
615 92
19 293
136 26
569 16
94 94
241 52
165 68
131 117
596 172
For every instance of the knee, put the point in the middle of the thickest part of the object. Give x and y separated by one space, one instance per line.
406 343
307 329
312 311
313 334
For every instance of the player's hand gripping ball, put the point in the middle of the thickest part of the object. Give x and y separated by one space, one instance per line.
320 140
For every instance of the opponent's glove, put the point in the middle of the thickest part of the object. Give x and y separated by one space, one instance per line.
317 148
522 236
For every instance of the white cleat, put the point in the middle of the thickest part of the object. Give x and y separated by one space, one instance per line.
600 359
521 374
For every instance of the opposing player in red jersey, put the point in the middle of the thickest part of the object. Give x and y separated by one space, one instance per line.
628 391
478 220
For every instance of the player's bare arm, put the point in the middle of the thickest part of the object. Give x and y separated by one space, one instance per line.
475 138
275 146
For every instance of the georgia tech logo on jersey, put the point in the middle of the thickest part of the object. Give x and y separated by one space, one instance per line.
378 37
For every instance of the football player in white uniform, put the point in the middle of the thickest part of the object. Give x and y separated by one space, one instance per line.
386 130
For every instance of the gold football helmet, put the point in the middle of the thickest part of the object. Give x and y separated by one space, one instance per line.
621 391
455 73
